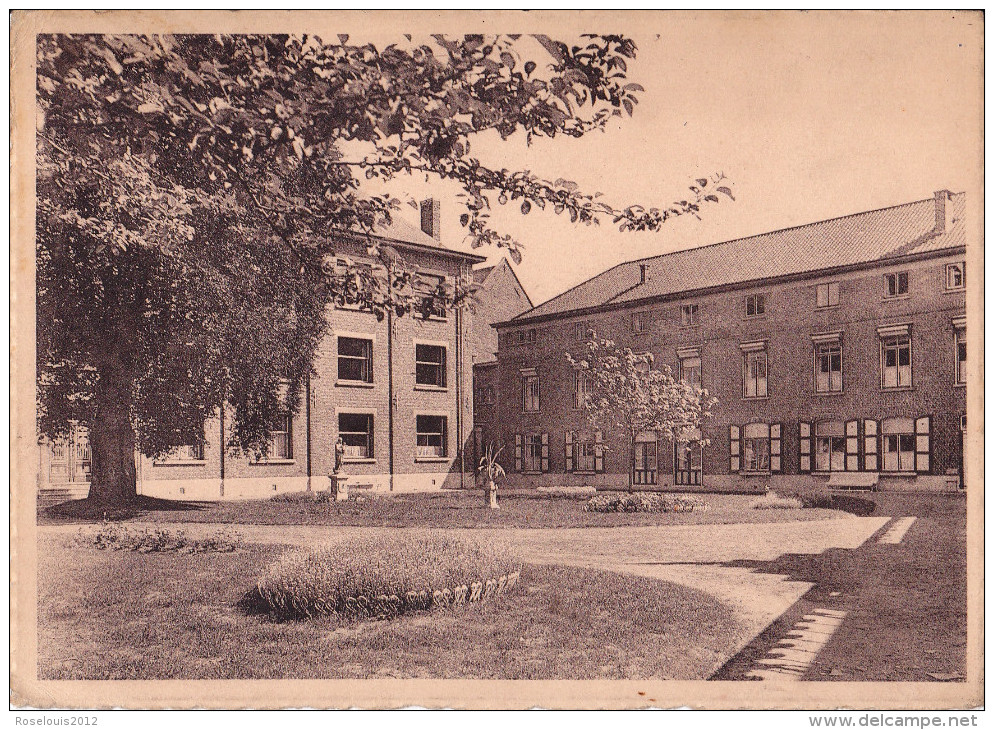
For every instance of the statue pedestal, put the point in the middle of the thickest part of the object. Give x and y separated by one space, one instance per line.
491 492
339 489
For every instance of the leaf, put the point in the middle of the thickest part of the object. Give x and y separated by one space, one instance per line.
529 68
726 191
702 182
711 198
525 207
515 256
628 106
464 219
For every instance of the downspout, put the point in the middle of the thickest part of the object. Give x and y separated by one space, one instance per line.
459 435
390 392
307 420
222 450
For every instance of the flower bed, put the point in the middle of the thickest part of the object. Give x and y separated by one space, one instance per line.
161 540
385 576
643 502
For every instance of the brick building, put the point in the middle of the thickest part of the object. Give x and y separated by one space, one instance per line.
500 297
399 392
836 350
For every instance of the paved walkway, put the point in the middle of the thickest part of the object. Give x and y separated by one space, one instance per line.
703 557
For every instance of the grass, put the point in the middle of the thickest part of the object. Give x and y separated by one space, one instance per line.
905 604
772 500
445 509
386 574
128 615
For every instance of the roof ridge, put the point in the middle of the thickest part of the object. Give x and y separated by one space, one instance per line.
575 286
778 230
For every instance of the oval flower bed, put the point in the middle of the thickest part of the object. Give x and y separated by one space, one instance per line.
643 502
380 577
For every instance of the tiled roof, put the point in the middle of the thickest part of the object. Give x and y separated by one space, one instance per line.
480 275
860 238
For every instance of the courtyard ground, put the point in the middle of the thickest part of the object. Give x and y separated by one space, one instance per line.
719 596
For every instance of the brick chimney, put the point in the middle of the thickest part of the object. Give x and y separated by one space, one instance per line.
943 211
431 218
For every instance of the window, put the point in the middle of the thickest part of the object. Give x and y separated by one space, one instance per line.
960 342
640 322
583 452
896 285
754 385
433 295
898 444
755 305
486 395
530 401
955 276
579 330
756 447
581 386
189 452
895 361
431 436
690 371
830 446
533 452
828 367
281 440
522 337
430 365
355 359
356 430
688 315
827 295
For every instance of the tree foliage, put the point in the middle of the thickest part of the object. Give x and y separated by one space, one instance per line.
192 191
624 391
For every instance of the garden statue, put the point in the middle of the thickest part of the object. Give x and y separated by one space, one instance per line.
339 454
492 472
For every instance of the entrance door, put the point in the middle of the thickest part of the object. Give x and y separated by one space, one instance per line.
688 464
645 459
70 458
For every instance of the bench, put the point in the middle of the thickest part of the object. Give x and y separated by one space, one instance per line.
854 481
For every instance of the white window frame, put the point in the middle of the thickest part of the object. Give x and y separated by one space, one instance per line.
531 447
272 455
819 346
950 268
820 438
891 337
443 365
689 315
827 295
755 299
755 468
580 330
581 387
371 340
687 365
909 456
529 396
640 322
370 435
444 456
896 278
959 336
751 350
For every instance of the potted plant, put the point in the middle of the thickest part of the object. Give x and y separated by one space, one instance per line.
492 472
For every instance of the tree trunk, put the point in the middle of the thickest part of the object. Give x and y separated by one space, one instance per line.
112 441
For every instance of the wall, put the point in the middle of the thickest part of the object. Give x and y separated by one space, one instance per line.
790 320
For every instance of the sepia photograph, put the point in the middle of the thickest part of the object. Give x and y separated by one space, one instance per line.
497 360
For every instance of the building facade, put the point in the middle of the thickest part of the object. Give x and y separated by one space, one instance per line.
398 392
836 350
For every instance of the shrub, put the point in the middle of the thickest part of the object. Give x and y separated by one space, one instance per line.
162 540
384 576
772 500
643 502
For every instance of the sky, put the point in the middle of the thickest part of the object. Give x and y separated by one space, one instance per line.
809 115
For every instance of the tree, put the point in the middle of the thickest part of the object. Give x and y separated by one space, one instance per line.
623 390
191 190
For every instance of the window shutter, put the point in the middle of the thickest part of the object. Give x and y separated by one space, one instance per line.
569 451
805 447
517 452
852 445
734 449
871 455
545 452
776 431
598 452
923 445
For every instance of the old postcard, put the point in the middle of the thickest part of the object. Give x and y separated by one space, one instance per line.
497 359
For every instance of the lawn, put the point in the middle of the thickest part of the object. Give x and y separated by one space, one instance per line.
905 604
445 509
128 615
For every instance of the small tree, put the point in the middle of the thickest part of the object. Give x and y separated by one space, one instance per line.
623 390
